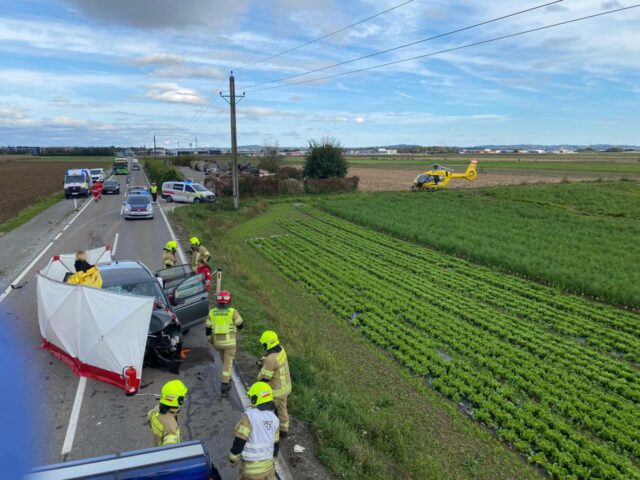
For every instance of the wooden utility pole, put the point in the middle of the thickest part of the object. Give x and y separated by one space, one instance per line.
233 100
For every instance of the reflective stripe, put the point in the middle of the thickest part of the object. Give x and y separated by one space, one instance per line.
264 373
171 439
259 467
281 392
242 430
158 431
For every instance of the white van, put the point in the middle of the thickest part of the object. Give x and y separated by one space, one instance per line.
77 183
97 174
189 192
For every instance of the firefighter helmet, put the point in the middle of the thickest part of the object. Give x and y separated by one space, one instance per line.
171 246
259 393
224 296
173 393
195 241
269 339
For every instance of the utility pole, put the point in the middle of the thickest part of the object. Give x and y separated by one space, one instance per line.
196 144
232 100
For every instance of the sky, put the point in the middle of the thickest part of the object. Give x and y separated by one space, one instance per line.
118 72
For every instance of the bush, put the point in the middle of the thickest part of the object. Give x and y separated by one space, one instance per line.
325 159
290 172
271 160
331 185
158 172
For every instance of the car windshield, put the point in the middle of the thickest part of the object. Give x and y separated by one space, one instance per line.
198 187
96 172
148 289
138 200
110 183
73 179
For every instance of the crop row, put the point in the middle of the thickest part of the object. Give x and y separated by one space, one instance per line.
567 404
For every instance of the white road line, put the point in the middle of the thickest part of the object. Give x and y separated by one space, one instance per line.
80 212
33 262
183 257
115 245
57 236
73 420
121 210
65 227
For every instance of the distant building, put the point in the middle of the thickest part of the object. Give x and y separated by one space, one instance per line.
386 151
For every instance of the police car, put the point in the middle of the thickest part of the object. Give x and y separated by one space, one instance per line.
187 191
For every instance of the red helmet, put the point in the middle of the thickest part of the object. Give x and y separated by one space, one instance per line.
224 296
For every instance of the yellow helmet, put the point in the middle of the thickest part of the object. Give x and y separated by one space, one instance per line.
269 339
171 245
173 393
259 393
194 241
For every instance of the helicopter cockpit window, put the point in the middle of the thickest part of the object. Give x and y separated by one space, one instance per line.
424 178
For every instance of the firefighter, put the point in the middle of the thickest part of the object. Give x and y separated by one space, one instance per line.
154 192
275 372
169 254
257 438
221 327
197 252
163 418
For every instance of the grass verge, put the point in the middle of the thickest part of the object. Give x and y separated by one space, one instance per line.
31 211
372 420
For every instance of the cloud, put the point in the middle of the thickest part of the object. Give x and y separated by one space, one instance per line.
159 59
173 93
405 95
13 117
69 122
162 14
183 71
359 120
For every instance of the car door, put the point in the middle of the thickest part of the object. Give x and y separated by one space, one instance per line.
189 193
174 276
191 301
178 195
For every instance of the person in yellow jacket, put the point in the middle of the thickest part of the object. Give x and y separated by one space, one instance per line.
169 254
86 274
163 418
221 327
275 372
153 189
257 438
198 252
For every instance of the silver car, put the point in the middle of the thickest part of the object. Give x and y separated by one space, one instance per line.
138 206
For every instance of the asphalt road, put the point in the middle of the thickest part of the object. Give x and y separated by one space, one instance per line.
107 420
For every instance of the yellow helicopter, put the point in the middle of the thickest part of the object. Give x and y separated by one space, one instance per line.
439 177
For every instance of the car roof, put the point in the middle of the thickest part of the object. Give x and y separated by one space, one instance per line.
125 272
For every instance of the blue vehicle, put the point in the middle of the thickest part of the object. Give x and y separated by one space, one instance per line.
185 461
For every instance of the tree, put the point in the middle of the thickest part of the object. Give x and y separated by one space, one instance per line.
271 158
325 159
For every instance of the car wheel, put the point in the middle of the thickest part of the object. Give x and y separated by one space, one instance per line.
197 200
168 198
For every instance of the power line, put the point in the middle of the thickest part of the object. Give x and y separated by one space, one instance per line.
491 40
289 77
209 103
322 37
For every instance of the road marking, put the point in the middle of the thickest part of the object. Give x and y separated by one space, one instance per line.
33 262
57 236
73 420
121 210
80 212
183 257
115 245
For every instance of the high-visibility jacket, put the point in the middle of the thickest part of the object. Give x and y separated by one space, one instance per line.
168 259
261 430
153 189
200 253
164 427
224 323
275 371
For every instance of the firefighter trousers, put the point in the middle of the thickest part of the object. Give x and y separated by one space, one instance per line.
281 410
226 357
271 475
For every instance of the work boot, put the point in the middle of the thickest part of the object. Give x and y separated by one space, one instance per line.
284 434
225 388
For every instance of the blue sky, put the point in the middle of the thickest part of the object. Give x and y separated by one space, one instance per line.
97 72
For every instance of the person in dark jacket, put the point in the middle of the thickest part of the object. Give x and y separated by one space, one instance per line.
81 264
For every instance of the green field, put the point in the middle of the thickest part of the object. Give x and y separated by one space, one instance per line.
552 374
370 418
582 237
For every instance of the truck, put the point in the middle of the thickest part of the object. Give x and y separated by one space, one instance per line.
121 166
77 183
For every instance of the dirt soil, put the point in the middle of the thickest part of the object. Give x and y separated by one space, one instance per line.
303 465
392 180
23 183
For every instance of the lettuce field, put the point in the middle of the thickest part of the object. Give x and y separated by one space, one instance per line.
554 375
